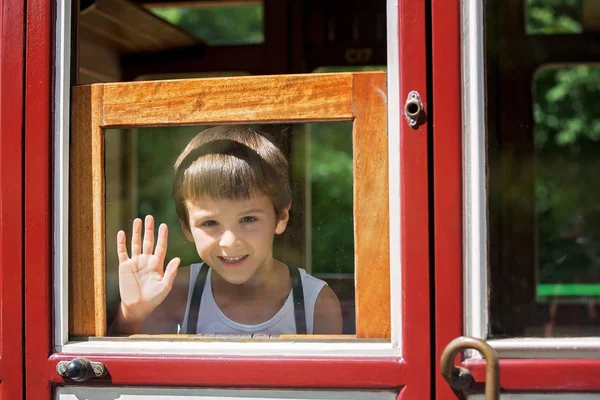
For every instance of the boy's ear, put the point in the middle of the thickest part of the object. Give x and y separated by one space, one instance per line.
284 217
186 231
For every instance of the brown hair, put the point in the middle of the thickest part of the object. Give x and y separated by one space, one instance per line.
230 162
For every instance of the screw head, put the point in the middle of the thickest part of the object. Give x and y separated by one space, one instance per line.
61 368
99 370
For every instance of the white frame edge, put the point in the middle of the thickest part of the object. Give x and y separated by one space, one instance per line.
308 348
394 173
62 115
579 347
298 348
475 236
182 393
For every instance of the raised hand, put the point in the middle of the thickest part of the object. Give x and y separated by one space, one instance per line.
142 283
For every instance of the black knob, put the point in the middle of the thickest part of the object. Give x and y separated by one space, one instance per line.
81 369
78 369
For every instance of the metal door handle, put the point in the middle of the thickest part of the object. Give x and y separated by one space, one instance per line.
81 369
460 378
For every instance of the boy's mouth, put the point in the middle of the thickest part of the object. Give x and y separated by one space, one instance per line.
233 260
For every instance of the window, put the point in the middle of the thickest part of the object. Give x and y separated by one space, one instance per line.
334 97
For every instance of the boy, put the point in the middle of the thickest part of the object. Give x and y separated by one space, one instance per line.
232 196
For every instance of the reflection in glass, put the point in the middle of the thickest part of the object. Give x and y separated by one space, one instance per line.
567 150
550 17
319 236
219 25
542 143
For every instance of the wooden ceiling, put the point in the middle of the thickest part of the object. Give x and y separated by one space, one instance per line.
127 27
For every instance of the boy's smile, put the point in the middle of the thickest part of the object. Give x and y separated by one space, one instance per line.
235 237
233 261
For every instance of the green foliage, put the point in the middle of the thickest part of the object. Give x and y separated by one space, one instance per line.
567 139
553 16
219 25
331 188
567 143
157 151
566 107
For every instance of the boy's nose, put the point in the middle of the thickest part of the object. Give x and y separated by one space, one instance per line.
229 239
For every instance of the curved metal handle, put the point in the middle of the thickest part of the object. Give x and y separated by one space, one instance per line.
460 378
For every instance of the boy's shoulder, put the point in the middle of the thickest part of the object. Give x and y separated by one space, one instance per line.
310 279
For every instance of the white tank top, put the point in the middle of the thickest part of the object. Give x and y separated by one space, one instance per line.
212 320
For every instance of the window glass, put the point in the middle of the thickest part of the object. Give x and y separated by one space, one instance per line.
547 212
549 17
567 145
542 147
219 25
319 236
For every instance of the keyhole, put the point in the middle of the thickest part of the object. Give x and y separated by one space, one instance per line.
412 109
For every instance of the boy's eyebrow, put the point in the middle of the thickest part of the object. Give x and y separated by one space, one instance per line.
202 214
254 210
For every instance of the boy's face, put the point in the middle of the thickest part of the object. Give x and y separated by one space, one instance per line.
235 237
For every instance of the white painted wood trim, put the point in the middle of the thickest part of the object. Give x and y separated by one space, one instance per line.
581 347
475 277
308 348
62 107
96 393
395 206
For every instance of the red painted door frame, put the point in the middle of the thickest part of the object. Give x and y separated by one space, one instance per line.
407 374
12 19
547 375
447 178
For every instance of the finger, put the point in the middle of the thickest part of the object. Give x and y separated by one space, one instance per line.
161 242
122 247
148 235
136 238
171 273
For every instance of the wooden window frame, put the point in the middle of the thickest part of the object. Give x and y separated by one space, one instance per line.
359 97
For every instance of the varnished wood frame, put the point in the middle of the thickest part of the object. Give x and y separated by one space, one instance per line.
360 97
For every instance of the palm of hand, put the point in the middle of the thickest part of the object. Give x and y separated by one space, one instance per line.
142 283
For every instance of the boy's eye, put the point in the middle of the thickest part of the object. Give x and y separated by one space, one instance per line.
246 220
209 223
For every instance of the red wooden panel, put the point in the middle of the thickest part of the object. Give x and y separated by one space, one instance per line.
414 202
447 178
11 197
544 375
251 372
38 195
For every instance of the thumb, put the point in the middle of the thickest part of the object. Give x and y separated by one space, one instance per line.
171 272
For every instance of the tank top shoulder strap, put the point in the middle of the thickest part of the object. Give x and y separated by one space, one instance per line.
192 320
298 295
196 298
